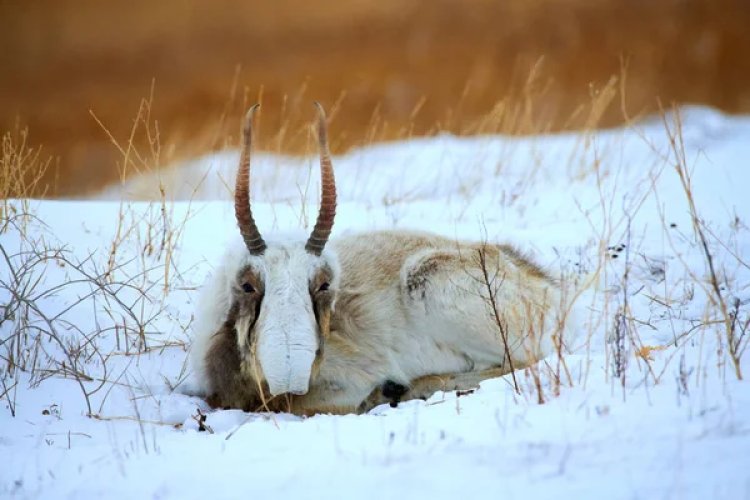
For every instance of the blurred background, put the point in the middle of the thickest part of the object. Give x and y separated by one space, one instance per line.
80 74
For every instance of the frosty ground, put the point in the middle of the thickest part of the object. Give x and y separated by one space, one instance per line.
98 298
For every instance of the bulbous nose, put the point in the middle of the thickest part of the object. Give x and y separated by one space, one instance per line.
287 366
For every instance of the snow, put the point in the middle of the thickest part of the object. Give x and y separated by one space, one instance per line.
674 424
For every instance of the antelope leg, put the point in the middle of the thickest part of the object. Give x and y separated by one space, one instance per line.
423 387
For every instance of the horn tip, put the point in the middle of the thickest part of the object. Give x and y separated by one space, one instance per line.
250 112
319 107
248 123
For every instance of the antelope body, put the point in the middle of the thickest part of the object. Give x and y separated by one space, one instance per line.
344 325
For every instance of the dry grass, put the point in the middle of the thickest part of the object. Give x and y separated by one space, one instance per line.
46 286
22 170
734 339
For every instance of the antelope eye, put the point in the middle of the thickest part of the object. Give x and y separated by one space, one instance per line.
323 287
247 288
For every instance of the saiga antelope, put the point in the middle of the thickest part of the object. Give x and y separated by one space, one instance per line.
339 326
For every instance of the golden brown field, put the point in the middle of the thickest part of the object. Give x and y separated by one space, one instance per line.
385 68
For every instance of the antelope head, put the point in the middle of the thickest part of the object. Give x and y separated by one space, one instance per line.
283 296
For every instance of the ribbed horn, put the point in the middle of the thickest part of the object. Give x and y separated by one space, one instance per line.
248 229
327 213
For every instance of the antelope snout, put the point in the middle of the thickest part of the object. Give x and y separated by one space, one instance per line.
287 365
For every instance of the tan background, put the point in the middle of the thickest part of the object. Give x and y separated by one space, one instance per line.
395 66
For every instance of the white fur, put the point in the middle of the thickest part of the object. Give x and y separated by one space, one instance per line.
287 341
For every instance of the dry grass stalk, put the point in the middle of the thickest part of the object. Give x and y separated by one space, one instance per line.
492 282
714 289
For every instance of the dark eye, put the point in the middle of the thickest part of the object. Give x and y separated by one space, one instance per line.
247 288
324 286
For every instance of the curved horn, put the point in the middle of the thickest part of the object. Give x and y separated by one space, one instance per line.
327 212
245 221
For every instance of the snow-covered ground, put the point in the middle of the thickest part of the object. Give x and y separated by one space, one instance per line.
96 303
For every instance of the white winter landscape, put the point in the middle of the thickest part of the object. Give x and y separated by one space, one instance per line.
97 299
